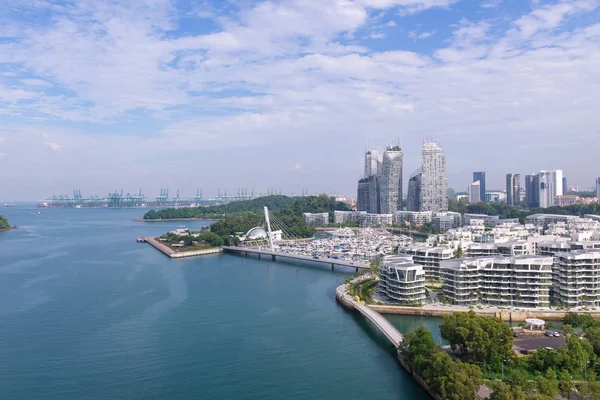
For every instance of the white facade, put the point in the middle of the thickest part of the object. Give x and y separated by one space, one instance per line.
401 281
319 219
520 281
434 178
577 278
376 220
412 217
475 192
429 257
390 180
488 220
371 162
340 217
550 186
444 221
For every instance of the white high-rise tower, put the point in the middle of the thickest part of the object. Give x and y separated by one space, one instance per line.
390 180
434 178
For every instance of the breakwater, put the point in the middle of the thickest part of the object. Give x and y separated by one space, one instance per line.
176 254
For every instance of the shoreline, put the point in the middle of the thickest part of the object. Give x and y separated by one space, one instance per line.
12 228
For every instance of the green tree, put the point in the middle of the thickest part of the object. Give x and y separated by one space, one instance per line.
483 340
4 222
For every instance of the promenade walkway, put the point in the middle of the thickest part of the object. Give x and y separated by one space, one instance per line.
377 319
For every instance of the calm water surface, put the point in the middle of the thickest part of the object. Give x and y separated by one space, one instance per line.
86 313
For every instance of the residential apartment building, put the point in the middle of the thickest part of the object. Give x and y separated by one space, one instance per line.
543 220
488 220
444 221
390 180
319 219
577 278
429 257
401 280
519 281
434 178
376 220
402 218
340 217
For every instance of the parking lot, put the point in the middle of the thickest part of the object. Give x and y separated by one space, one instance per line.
533 342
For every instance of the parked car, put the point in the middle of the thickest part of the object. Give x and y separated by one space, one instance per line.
515 334
556 334
549 333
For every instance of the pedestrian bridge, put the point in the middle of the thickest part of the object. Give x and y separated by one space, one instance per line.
377 319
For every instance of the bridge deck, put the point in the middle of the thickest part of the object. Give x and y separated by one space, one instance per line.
329 261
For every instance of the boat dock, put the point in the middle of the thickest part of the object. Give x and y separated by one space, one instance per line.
274 255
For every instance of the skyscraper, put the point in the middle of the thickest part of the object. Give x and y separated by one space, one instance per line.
367 198
513 190
532 191
598 187
564 185
390 180
550 186
371 162
480 176
475 192
413 202
434 179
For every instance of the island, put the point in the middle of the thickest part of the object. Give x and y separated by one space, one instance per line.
4 225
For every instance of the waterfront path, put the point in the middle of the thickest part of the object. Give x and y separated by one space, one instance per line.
377 319
274 255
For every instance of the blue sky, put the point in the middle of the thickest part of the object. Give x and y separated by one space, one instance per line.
106 95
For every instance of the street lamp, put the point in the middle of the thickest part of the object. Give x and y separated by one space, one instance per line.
503 368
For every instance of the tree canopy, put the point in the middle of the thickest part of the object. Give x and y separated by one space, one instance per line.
449 379
485 341
504 210
286 205
4 222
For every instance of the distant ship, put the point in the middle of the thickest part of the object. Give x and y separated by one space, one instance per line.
8 205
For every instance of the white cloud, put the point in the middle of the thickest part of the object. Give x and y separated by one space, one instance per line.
377 35
285 75
550 16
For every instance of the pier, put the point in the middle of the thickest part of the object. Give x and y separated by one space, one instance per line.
274 255
174 254
389 330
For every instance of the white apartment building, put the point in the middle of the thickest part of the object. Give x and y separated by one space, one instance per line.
319 219
577 278
519 281
543 220
401 280
376 220
340 217
444 221
480 250
412 217
429 257
488 220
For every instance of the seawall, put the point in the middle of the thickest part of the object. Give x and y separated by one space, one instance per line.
174 254
508 316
